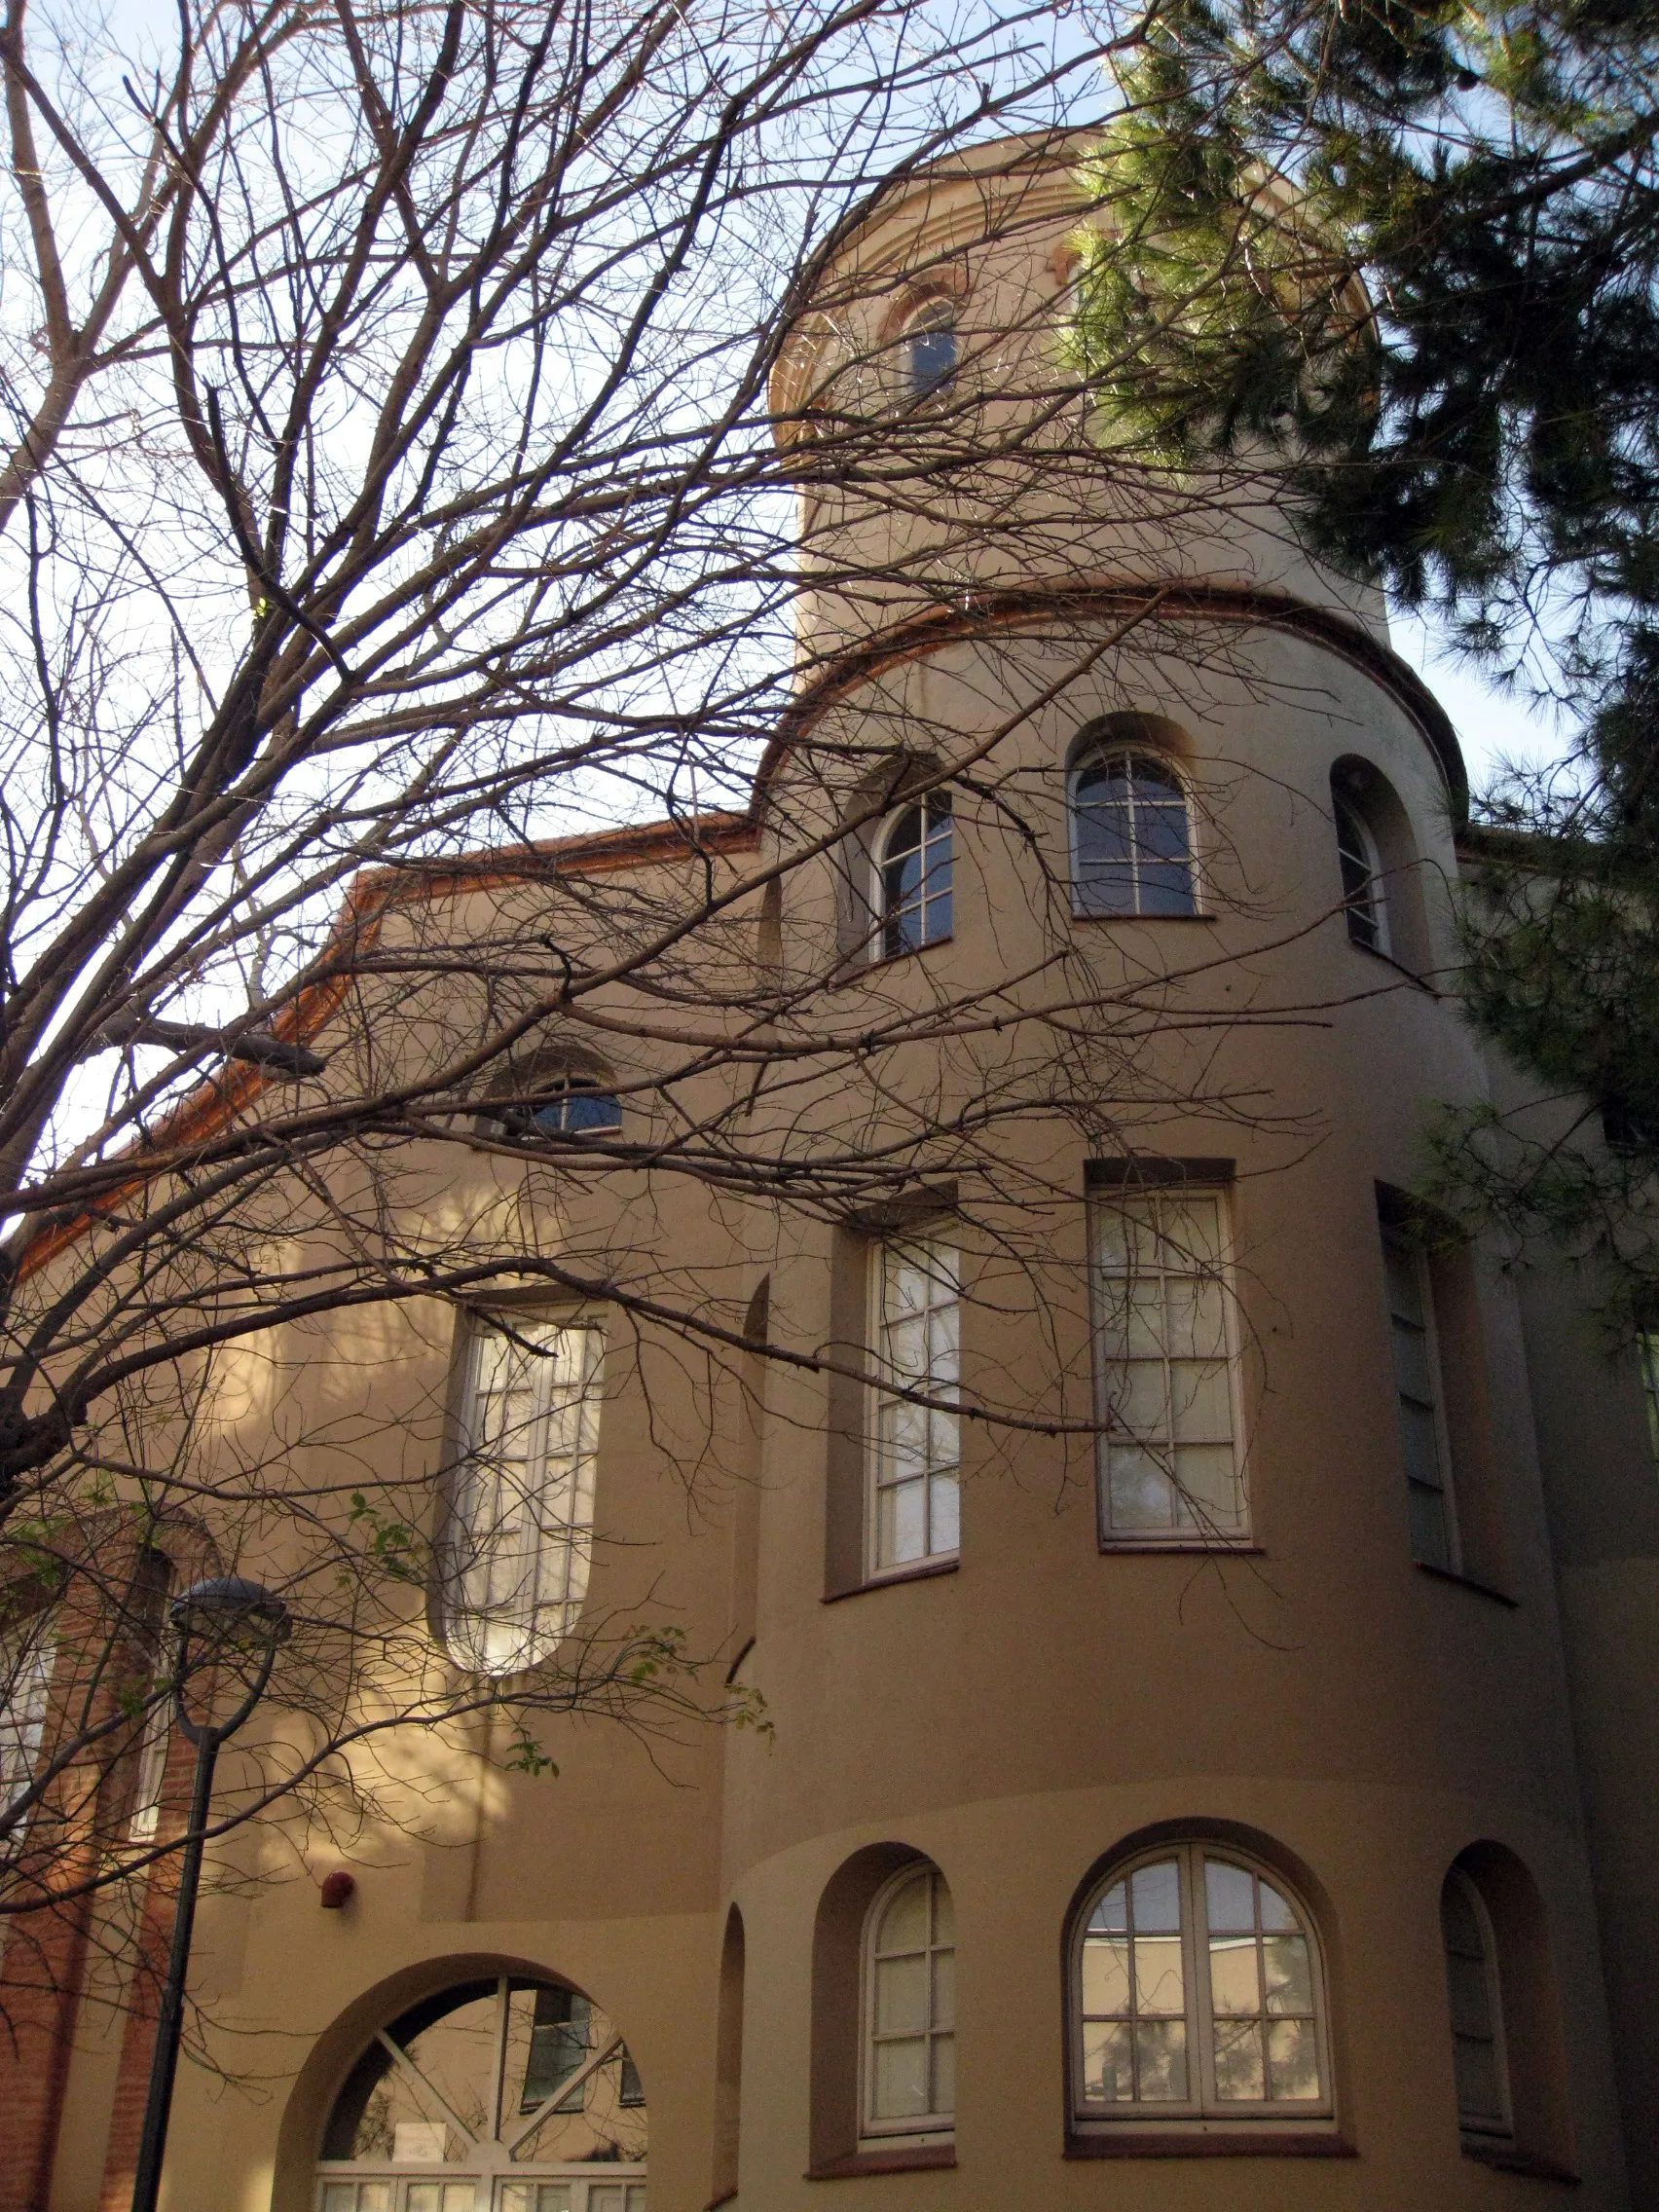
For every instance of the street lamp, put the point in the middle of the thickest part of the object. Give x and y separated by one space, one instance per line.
240 1625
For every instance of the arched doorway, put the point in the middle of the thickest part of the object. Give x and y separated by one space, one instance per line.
498 2094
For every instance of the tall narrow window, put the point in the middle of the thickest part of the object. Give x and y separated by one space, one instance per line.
1477 2039
915 870
520 1535
1418 1396
1168 1457
1132 836
1648 1350
910 2007
27 1657
915 1505
1361 874
1195 1993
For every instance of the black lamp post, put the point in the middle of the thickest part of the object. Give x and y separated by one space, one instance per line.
240 1624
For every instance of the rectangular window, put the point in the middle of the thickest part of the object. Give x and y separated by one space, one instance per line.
914 1511
520 1537
1421 1400
1166 1359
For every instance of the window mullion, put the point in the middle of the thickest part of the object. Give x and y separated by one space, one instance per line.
1200 2009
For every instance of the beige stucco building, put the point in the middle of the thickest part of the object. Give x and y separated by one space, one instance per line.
1207 1631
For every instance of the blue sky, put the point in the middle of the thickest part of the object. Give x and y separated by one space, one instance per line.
1493 725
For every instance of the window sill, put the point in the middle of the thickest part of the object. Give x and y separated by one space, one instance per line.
1140 921
1510 2160
1159 1546
924 1570
1178 2143
1407 975
863 968
1466 1582
902 2158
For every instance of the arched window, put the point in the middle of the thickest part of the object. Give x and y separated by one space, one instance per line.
560 1104
1195 1995
502 2094
519 1539
914 877
1362 878
930 350
1477 2012
909 2008
1132 836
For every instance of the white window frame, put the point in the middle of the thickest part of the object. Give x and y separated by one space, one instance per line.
1092 753
941 1380
876 949
1476 2131
1204 2112
909 2128
1116 1198
1394 1238
493 1634
1376 899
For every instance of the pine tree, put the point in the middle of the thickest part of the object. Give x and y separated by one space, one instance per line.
1408 258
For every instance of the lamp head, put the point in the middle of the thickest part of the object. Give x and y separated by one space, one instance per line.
229 1609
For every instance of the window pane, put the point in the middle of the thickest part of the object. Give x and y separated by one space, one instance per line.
945 1989
905 1923
1287 1974
1159 1985
1106 1974
902 1996
1156 1894
933 358
1239 2076
340 2197
1140 1491
1293 2061
943 2092
1230 1896
1160 2061
1113 1911
902 2080
1235 1984
1430 1538
1108 2062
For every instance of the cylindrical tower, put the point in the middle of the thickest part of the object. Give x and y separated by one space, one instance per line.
1171 1797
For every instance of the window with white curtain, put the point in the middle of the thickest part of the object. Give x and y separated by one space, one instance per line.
518 1540
1170 1466
1196 1994
914 1510
909 1997
28 1655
